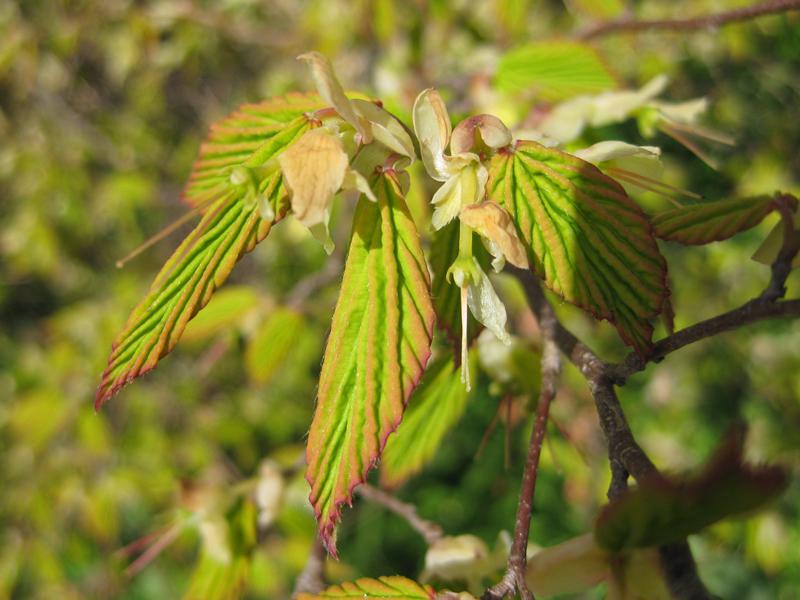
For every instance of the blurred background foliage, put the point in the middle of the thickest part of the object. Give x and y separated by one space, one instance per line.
103 104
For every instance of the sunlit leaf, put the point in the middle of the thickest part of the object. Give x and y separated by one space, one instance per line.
587 240
385 588
230 227
377 350
272 344
697 224
667 509
435 406
553 70
769 249
243 139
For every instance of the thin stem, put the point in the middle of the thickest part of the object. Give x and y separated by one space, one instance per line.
464 340
429 530
765 306
700 22
163 540
625 454
750 312
517 560
464 241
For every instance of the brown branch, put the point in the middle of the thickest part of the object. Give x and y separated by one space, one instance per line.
766 306
750 312
578 353
625 455
514 578
632 25
312 579
429 530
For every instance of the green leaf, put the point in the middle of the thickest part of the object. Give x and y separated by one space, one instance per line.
376 353
435 406
587 240
224 310
231 226
446 295
667 509
553 70
698 224
246 138
272 344
769 249
385 588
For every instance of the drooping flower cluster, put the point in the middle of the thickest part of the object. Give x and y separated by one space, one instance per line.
461 196
324 160
340 155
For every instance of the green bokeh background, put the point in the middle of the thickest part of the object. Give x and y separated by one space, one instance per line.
103 104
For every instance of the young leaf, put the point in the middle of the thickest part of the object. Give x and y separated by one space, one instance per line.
385 588
243 139
231 226
377 350
587 240
667 509
435 406
554 70
697 224
769 249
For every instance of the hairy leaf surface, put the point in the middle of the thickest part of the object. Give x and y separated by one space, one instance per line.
385 588
231 225
244 139
435 406
554 70
377 351
667 509
698 224
587 240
